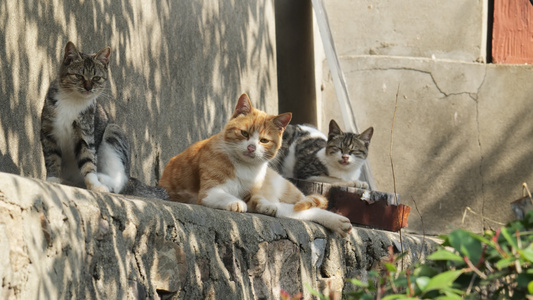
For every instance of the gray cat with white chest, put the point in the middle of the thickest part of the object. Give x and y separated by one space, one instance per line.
306 153
81 145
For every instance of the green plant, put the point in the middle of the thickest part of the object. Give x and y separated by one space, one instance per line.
494 265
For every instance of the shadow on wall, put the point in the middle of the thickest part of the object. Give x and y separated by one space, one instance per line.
457 143
76 243
108 247
473 158
177 69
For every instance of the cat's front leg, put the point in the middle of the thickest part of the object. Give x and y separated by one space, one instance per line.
52 155
260 205
92 183
218 198
86 158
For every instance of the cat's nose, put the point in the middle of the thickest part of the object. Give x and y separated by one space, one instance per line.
345 157
87 85
251 148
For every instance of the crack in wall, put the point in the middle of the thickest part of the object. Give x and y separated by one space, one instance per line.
480 149
471 74
441 91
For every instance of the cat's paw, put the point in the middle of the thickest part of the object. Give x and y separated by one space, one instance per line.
361 184
114 185
93 184
237 206
342 226
99 188
266 208
53 179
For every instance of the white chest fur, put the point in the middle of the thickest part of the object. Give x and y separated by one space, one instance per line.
67 111
246 177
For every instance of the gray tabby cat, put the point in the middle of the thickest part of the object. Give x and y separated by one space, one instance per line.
306 153
81 145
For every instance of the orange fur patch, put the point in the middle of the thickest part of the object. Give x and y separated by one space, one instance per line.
189 175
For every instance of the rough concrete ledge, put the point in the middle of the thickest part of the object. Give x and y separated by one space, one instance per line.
58 242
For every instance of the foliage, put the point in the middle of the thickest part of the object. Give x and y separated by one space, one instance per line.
494 265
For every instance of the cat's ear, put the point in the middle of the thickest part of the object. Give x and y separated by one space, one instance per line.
71 54
281 121
366 135
244 106
334 129
103 56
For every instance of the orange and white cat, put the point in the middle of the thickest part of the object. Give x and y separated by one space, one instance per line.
221 171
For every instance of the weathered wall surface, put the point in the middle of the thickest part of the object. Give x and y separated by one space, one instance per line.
452 29
177 69
58 242
460 136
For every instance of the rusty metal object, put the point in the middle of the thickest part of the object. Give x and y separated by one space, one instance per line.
363 207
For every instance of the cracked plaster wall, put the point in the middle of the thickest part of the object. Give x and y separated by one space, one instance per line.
461 136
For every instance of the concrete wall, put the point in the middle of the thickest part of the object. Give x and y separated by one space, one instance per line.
59 242
454 29
177 69
461 136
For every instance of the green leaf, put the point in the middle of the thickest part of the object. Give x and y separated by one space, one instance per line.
482 239
315 293
449 296
443 254
422 282
400 256
396 297
530 287
504 263
527 253
390 267
367 297
425 270
373 273
508 237
523 280
464 242
442 280
357 282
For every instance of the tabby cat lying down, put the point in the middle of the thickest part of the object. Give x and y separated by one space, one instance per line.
308 154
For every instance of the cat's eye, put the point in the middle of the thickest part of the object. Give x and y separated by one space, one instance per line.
264 141
96 78
79 77
244 133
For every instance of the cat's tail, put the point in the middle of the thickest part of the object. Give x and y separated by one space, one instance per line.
135 187
310 201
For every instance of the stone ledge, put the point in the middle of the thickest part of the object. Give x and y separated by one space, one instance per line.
59 242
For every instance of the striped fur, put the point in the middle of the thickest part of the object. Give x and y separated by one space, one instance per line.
230 171
81 145
307 153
